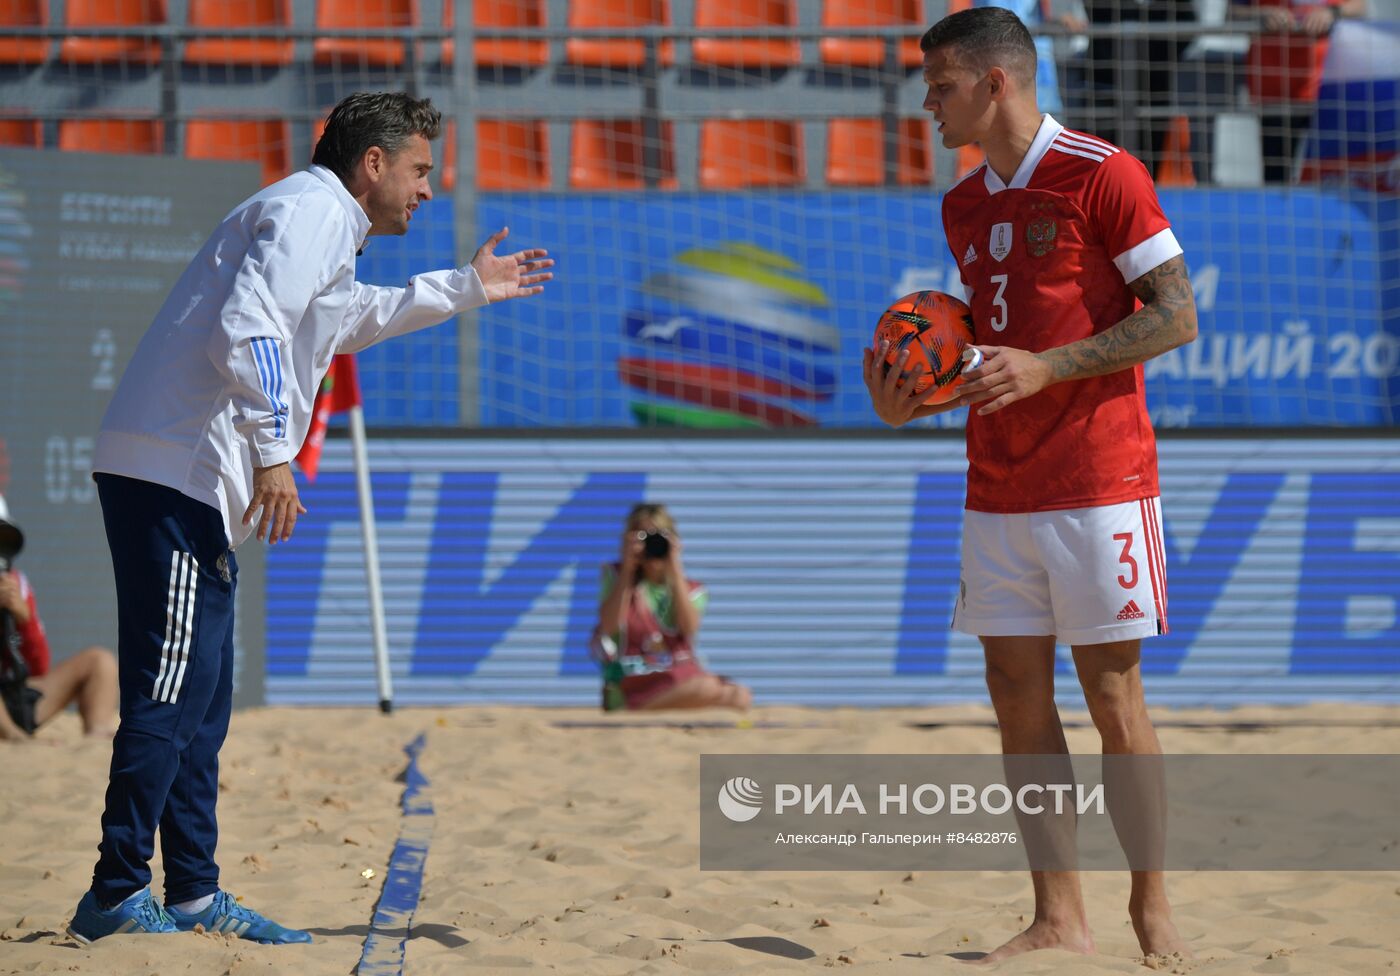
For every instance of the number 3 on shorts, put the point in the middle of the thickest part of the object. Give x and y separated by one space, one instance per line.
1126 557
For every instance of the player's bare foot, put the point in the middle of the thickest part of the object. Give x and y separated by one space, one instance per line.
1157 935
1043 934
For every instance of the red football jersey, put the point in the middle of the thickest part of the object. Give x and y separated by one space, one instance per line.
1046 261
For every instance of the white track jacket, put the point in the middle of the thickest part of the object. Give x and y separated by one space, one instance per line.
224 379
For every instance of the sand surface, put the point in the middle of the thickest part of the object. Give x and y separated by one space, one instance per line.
567 841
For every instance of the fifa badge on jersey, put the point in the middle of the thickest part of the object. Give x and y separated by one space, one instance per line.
1000 244
1040 236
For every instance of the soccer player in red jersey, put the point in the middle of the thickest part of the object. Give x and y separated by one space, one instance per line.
1074 279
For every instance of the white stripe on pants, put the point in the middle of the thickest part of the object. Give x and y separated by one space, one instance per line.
179 626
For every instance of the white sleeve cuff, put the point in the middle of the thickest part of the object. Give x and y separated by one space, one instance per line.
265 455
1135 262
473 291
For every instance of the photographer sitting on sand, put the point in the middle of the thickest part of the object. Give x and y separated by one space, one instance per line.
647 624
31 691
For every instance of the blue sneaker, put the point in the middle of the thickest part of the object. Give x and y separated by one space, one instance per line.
226 915
139 913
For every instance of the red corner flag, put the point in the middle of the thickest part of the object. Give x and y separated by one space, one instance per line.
340 391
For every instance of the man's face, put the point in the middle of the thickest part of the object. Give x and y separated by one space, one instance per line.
402 186
957 96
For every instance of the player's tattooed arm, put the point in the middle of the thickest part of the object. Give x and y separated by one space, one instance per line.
1166 320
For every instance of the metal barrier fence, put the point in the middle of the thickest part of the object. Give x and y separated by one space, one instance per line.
669 163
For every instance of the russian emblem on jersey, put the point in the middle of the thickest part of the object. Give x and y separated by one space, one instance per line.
1000 244
1040 236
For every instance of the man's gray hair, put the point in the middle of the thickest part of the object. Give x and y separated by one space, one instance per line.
365 119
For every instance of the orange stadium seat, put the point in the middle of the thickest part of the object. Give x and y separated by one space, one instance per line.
214 14
317 128
739 52
444 177
379 52
111 13
21 132
145 137
969 158
855 153
502 52
266 142
24 13
609 155
617 52
753 152
870 53
512 155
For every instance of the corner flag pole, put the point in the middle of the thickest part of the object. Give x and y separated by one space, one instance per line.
370 537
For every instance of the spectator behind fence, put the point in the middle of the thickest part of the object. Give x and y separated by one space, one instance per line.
648 620
1285 70
1132 73
34 693
1035 14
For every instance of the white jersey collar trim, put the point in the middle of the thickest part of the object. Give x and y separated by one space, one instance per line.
1039 146
357 214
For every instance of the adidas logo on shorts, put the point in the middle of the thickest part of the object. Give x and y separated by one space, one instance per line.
1130 611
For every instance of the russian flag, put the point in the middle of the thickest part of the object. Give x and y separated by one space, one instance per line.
1356 134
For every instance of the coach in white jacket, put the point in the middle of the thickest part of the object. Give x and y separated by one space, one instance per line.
196 446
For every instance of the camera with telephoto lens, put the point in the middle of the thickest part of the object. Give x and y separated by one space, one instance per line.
655 545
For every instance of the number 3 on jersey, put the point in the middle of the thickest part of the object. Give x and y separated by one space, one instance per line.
999 300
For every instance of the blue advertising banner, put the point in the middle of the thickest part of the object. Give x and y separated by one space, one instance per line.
832 565
752 310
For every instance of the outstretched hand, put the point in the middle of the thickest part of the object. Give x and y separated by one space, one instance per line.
513 275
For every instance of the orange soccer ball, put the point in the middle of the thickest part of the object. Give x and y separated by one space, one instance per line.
935 328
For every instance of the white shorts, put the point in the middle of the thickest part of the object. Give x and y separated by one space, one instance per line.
1082 575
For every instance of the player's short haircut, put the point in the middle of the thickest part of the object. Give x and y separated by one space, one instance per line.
986 37
384 119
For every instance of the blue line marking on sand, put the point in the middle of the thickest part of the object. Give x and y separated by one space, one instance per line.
393 917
